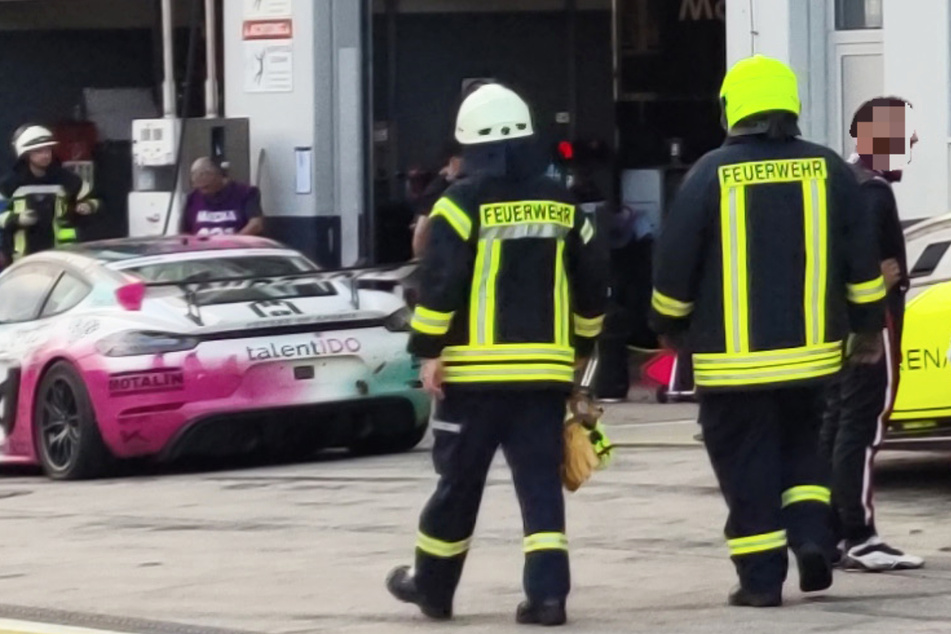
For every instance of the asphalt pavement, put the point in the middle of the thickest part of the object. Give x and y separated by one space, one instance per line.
301 548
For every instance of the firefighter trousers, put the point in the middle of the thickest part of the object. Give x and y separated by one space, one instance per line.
468 427
858 405
764 448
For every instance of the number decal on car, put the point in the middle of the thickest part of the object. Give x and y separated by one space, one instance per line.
275 308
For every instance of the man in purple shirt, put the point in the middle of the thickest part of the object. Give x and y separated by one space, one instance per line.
218 206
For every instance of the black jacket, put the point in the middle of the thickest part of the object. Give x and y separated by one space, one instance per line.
878 201
53 198
513 284
768 260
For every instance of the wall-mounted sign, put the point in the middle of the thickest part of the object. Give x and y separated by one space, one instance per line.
265 9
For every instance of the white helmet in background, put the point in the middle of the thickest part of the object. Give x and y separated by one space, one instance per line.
31 137
492 113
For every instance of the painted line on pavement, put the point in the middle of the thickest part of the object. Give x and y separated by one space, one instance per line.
665 423
28 627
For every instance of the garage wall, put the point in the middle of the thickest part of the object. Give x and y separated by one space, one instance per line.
44 73
527 50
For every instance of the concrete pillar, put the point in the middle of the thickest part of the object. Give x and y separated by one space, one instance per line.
311 124
916 52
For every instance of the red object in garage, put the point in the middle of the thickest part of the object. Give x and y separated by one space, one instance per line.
77 141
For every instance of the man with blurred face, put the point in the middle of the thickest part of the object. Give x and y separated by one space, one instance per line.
220 206
860 402
46 203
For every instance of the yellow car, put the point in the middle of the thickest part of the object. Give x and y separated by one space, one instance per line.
921 418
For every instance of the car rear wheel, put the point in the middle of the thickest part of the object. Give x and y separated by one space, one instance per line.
66 434
380 444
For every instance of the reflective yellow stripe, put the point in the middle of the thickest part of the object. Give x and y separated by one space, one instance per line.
867 292
735 291
509 372
476 308
65 235
816 241
799 373
488 319
19 244
669 306
482 296
806 493
545 541
757 543
456 217
588 327
766 358
509 352
559 296
439 548
771 366
430 322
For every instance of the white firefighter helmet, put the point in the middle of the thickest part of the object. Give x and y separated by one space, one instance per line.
492 113
31 137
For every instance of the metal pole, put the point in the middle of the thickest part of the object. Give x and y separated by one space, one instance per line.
168 86
211 60
392 9
572 9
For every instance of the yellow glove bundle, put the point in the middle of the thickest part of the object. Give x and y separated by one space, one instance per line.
587 447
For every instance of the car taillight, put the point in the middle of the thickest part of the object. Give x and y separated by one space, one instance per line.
134 342
130 296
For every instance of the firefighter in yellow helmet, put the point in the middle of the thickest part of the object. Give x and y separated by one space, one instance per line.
767 272
46 203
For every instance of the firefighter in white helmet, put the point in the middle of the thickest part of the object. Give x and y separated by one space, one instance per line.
513 286
46 203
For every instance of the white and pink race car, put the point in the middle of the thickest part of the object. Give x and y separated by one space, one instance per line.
167 346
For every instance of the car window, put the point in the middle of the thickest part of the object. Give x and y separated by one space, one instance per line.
229 280
929 259
68 292
22 291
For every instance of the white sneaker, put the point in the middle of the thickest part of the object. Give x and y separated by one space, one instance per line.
875 555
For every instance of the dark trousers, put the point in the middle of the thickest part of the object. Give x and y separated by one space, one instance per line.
764 448
468 427
858 405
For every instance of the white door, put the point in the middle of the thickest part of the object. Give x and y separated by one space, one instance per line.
857 75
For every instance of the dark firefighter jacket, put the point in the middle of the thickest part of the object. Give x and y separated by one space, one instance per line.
53 198
513 284
879 202
768 260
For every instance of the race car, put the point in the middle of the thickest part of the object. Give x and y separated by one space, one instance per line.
921 418
160 347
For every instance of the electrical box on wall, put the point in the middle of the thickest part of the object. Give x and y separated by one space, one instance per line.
153 142
157 195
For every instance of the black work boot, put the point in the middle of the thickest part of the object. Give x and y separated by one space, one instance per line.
744 598
550 612
815 569
401 585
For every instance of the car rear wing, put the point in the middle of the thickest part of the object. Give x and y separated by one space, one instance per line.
385 277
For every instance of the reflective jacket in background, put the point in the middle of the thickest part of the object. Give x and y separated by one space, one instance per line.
53 198
769 260
513 284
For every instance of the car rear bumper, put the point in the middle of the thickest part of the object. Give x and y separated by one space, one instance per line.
301 427
144 404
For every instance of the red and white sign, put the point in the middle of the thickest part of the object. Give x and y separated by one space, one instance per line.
268 29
